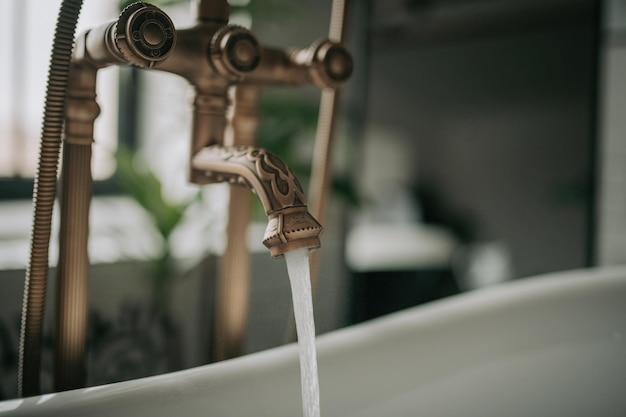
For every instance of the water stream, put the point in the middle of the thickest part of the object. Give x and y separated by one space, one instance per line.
300 278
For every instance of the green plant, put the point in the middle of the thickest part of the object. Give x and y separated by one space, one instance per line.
288 121
142 185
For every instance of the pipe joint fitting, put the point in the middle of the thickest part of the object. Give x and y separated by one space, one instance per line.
330 63
234 51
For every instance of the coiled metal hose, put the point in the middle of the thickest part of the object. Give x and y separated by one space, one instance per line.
44 193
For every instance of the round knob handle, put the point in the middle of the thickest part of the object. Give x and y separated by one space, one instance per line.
331 63
144 34
234 51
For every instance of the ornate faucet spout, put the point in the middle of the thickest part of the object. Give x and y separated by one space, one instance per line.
290 225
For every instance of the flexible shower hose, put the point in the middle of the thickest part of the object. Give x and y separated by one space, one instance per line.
321 172
44 194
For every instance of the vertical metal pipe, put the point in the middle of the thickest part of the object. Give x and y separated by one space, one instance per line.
73 269
208 122
233 281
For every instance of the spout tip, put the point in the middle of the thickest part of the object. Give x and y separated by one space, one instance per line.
289 229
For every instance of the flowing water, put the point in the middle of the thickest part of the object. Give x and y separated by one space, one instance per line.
300 278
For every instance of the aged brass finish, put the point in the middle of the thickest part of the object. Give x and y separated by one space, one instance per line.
321 167
325 63
321 172
290 225
217 11
44 191
234 51
142 35
226 66
233 273
291 228
73 266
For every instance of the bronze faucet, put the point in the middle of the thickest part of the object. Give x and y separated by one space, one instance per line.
226 66
215 57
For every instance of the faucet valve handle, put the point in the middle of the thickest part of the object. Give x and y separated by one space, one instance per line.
144 35
234 51
330 63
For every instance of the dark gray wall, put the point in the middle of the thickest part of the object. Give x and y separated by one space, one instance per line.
500 128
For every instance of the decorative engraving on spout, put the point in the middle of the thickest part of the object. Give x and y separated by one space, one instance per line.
290 225
255 167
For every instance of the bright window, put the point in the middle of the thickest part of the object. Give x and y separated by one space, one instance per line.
27 29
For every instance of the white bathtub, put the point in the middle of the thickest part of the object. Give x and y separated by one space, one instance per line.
547 346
